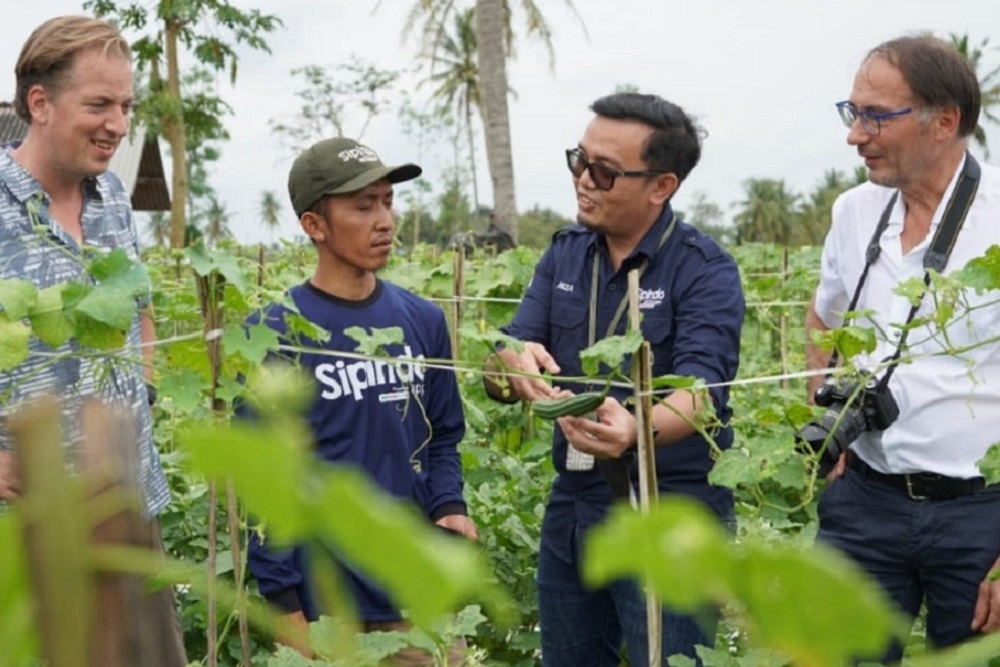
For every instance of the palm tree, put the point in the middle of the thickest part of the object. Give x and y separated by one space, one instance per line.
457 84
159 228
989 84
270 212
216 223
767 214
494 41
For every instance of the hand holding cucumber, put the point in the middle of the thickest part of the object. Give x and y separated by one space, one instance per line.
522 372
609 437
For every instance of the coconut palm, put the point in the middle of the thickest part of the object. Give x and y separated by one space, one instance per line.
159 228
768 212
989 84
455 75
270 212
216 223
494 41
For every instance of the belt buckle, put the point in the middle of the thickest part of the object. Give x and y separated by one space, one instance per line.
909 490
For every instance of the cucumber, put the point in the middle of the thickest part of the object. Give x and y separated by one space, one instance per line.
575 406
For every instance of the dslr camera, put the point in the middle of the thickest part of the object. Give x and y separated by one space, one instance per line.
850 411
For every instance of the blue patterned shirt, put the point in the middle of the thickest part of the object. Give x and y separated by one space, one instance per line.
41 251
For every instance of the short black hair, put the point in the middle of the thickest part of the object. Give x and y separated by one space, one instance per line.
675 144
937 73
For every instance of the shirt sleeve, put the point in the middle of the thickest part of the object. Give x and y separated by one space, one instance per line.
709 321
447 419
532 321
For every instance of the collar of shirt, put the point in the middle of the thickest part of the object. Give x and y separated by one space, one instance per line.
647 245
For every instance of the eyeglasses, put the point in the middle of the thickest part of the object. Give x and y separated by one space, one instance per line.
602 175
871 121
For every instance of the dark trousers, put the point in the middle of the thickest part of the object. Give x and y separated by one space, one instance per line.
933 551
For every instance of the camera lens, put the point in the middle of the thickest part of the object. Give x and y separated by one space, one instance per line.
837 428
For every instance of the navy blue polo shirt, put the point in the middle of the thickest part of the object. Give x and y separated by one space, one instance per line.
692 305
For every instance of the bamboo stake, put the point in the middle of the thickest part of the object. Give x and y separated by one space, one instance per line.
648 489
785 384
458 289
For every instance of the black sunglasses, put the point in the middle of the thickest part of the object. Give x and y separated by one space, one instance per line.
602 175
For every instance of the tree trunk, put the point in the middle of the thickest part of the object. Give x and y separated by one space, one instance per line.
496 120
472 157
173 128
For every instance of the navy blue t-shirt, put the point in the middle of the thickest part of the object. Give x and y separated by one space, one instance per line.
364 416
692 305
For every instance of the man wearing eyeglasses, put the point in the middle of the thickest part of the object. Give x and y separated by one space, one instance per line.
633 156
907 501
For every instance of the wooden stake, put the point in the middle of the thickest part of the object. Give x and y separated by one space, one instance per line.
642 372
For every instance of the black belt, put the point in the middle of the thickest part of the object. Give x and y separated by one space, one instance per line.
923 485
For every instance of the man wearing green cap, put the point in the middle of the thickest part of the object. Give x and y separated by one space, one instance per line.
365 413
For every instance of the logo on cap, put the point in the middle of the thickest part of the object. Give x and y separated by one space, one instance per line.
359 153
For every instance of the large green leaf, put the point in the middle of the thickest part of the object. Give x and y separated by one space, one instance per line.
17 615
14 338
611 351
989 465
688 559
276 475
110 305
48 318
252 343
17 297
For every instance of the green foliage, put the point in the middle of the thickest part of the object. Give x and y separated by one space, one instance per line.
763 579
682 554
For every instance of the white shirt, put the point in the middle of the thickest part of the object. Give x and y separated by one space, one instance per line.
949 405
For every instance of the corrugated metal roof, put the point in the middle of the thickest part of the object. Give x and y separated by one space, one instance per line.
137 162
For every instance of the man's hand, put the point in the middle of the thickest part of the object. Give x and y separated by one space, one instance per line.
293 632
609 437
986 617
461 524
532 361
838 468
10 476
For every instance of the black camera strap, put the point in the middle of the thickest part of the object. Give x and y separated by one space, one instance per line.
937 255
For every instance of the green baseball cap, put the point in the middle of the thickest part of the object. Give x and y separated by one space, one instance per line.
338 166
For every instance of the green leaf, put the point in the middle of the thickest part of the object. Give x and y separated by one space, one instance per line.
370 530
733 469
982 273
17 297
14 338
374 344
269 465
220 260
116 270
679 548
252 342
275 473
186 390
467 621
48 318
851 341
109 305
989 465
676 382
610 351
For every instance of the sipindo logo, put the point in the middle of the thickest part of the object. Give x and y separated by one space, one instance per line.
651 298
359 153
342 379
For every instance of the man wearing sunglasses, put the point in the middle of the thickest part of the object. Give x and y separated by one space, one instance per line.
907 501
632 157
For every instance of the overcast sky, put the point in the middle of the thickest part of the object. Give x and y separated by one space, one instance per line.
761 76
